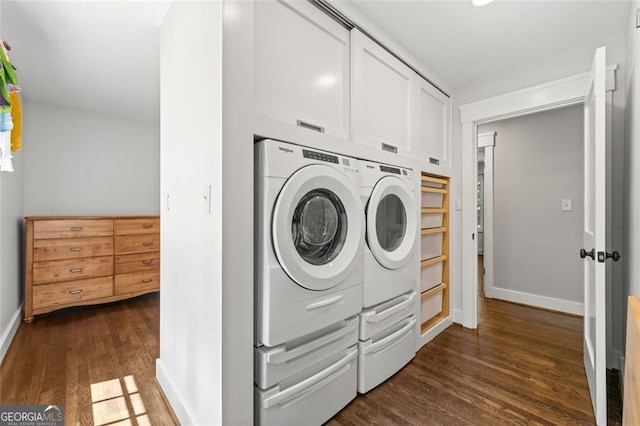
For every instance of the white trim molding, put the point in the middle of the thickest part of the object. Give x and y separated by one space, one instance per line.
543 97
551 303
486 139
172 393
9 333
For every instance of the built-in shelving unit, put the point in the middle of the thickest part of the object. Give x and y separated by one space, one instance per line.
434 254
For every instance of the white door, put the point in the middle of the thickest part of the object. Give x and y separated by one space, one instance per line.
318 227
382 94
594 238
302 67
391 230
432 120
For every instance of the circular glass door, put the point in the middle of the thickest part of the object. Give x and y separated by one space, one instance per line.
317 227
391 222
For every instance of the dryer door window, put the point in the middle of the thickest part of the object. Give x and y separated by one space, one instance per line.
391 226
318 227
391 222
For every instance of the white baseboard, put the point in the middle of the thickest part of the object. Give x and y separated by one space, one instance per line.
551 303
177 402
457 316
9 332
433 332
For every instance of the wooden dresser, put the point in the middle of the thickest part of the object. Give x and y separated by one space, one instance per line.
73 261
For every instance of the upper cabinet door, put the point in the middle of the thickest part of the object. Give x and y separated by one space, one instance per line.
301 67
382 97
432 122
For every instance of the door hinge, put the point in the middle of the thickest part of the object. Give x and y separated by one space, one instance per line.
473 236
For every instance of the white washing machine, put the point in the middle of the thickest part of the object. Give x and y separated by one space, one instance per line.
309 241
391 232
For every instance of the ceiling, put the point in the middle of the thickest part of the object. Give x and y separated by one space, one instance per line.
103 56
100 56
466 45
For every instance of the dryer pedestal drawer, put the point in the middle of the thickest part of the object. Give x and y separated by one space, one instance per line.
311 400
382 356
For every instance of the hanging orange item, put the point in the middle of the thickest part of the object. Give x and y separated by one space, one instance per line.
16 117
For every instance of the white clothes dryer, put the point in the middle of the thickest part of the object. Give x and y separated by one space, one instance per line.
391 232
309 236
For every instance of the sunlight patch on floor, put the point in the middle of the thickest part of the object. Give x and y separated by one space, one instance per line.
113 406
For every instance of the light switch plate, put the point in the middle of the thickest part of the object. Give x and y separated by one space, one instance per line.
567 205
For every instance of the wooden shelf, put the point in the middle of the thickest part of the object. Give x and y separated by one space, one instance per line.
433 184
433 322
435 190
433 290
432 179
427 231
433 210
430 262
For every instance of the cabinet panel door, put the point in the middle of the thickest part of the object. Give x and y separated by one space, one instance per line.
301 66
382 91
432 121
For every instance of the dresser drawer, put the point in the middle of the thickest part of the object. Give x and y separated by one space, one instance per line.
137 262
72 269
65 293
137 243
67 248
72 228
138 281
137 226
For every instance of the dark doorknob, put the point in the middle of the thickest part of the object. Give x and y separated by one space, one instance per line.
591 254
615 256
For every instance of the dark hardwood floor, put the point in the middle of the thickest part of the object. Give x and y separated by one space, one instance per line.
521 366
97 361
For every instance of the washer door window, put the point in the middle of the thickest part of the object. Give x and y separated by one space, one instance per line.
317 227
391 224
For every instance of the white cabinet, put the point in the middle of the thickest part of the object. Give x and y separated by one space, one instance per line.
383 95
432 121
301 67
393 108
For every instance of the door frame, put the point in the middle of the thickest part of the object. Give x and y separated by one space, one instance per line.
544 97
487 141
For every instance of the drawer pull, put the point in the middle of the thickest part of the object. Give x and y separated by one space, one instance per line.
75 291
147 226
147 262
75 270
76 228
147 281
147 243
310 126
76 249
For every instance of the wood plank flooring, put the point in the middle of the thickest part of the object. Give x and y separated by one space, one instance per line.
97 361
521 366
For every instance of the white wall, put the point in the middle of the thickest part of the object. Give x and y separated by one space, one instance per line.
631 252
84 163
206 312
537 163
11 212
